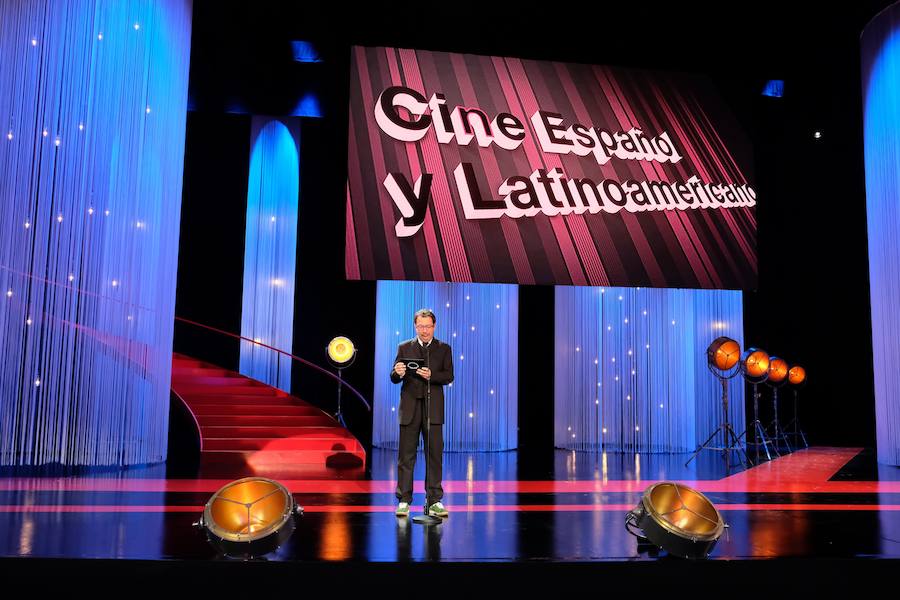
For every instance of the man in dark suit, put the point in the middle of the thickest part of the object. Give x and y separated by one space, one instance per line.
439 372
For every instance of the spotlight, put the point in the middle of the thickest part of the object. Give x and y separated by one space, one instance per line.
249 517
755 369
778 377
722 360
778 372
677 519
755 365
797 376
797 379
723 354
341 354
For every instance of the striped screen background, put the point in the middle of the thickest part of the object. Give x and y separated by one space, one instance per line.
693 248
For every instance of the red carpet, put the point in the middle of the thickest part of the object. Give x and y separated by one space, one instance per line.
249 428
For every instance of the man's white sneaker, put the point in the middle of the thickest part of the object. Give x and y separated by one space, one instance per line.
437 510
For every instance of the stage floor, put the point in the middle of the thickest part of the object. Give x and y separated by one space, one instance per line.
568 506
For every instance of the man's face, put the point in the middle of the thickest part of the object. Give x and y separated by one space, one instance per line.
425 328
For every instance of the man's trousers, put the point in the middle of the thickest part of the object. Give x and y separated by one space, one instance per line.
406 457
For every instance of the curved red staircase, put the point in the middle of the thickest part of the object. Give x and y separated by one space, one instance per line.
249 428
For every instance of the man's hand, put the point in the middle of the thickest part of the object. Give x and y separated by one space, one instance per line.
425 372
400 369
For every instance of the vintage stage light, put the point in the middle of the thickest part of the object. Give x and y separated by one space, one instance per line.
778 371
249 517
755 365
341 353
676 518
778 377
722 360
797 376
755 369
723 355
797 379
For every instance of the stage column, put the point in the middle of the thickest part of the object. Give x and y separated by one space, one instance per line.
270 251
880 47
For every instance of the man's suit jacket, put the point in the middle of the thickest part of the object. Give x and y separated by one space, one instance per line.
440 357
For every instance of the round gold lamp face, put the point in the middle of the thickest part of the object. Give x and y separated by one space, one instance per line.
249 517
778 371
797 375
724 353
755 365
679 519
341 352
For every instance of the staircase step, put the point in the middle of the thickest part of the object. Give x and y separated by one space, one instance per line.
182 372
209 380
264 431
236 399
320 445
260 410
284 464
224 390
193 363
320 457
291 443
249 427
272 421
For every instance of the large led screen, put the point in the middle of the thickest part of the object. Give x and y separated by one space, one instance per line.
488 169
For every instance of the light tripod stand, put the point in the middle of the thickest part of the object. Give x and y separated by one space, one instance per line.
778 376
797 379
755 370
341 353
722 361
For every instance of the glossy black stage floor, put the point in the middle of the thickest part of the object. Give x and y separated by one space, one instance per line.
820 517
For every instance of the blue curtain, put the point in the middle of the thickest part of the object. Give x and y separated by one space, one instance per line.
631 370
880 44
93 97
480 322
270 251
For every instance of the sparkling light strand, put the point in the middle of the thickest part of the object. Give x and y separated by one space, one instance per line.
75 387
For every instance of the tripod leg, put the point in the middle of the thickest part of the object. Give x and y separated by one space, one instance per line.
746 437
764 441
703 445
736 444
787 442
778 436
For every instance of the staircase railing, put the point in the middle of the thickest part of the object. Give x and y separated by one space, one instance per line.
293 357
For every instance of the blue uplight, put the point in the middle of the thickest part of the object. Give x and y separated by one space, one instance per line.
305 52
308 106
774 88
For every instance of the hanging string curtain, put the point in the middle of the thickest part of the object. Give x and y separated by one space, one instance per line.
93 97
270 251
480 322
631 369
880 47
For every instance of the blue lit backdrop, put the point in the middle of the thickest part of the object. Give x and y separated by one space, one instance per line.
93 98
270 251
480 322
880 45
631 370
